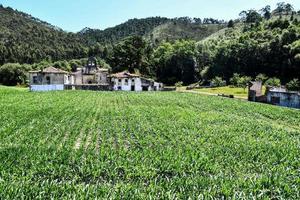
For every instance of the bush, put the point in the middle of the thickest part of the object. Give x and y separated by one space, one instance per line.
218 82
293 85
179 84
235 79
273 82
262 78
12 74
244 81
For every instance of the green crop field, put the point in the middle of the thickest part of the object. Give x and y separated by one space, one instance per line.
164 145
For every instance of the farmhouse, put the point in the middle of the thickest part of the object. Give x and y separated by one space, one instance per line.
49 79
89 77
126 81
274 95
91 74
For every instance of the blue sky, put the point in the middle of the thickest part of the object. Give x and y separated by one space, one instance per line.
73 15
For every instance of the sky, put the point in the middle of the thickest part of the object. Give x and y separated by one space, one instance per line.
74 15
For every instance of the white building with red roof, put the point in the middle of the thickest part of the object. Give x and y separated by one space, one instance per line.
126 81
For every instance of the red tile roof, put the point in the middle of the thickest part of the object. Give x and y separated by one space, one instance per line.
124 75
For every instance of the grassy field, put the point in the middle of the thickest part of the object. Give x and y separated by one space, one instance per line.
237 92
162 145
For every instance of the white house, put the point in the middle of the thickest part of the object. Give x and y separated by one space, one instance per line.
49 79
126 81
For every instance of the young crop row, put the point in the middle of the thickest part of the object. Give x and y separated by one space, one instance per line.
145 145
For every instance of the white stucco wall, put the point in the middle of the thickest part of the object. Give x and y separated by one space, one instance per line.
127 87
44 88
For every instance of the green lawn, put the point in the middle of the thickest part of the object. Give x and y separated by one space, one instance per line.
159 145
237 92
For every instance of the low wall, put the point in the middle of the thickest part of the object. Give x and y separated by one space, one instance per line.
88 87
44 88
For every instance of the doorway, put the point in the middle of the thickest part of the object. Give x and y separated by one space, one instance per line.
132 88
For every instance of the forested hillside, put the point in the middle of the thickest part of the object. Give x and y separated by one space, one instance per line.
25 39
155 30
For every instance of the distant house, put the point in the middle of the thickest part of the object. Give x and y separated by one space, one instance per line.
126 81
282 97
89 77
255 91
91 74
274 95
49 79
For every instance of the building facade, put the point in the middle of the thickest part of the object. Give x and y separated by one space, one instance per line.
91 74
282 97
90 77
49 79
125 81
278 96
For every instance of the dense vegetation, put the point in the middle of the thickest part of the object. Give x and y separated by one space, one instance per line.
155 30
127 146
25 39
168 50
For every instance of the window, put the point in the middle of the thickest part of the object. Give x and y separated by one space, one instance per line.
126 81
35 79
48 81
275 100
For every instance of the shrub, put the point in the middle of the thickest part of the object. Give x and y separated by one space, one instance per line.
293 85
12 74
244 81
235 79
261 77
273 82
218 82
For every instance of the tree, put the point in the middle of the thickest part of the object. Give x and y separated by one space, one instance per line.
12 74
293 85
235 79
283 8
250 16
244 81
131 54
218 82
266 12
273 82
261 77
175 62
230 24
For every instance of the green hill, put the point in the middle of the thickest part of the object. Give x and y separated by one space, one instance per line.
155 29
173 30
26 39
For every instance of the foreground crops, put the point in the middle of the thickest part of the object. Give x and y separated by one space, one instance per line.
143 145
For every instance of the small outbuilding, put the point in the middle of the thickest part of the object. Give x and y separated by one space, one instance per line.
279 96
282 97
